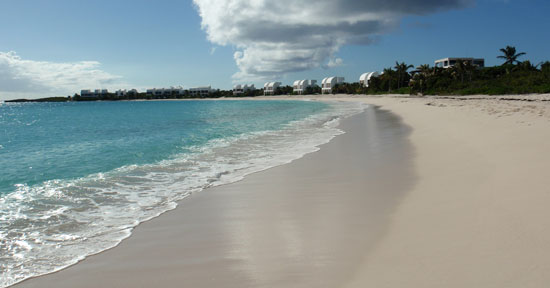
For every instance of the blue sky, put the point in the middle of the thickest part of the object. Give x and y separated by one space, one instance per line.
161 43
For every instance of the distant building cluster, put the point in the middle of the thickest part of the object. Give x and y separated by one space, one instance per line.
241 89
273 88
200 91
328 83
165 91
123 93
364 79
93 94
154 92
300 86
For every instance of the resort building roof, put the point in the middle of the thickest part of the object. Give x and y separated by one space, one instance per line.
270 87
365 78
241 89
328 83
299 86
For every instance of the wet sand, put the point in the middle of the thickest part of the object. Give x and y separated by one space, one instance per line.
311 223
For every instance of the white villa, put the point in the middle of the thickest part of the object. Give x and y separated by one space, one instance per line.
328 83
364 80
270 87
300 86
450 62
122 93
241 89
165 91
200 91
95 93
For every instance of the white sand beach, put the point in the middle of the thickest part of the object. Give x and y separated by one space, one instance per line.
419 192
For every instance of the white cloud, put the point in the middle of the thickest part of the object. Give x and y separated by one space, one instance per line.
20 78
335 62
277 37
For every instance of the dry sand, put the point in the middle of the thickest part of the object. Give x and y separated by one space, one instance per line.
454 193
479 213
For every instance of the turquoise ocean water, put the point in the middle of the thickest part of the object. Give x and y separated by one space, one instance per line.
75 178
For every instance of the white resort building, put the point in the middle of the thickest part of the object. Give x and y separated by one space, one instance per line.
203 91
450 62
122 93
241 89
300 86
364 80
95 93
165 91
270 87
328 83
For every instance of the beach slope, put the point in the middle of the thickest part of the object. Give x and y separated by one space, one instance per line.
478 214
310 223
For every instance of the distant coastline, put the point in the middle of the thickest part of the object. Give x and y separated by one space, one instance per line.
527 97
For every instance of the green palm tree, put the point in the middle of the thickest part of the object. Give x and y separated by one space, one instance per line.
510 55
459 69
388 74
401 69
470 68
425 69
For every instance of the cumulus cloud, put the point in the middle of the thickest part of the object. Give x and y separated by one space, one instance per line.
32 79
277 37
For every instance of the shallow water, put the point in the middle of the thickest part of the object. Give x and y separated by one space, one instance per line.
77 177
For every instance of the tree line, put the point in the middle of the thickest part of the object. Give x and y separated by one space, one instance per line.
464 78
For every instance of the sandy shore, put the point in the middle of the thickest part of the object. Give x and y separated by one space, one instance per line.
449 193
477 216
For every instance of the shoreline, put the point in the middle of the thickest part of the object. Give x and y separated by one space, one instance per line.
504 97
263 209
472 212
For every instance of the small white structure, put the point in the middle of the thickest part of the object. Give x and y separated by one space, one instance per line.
364 80
203 91
270 87
328 83
300 86
450 62
241 89
96 93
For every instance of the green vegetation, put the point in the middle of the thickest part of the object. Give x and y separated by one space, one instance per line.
510 55
49 99
512 77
